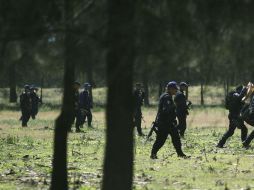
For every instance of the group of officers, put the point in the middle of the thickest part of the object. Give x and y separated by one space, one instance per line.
172 114
29 102
171 117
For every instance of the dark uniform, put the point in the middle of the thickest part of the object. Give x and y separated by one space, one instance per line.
86 105
26 106
181 111
248 140
235 121
35 102
166 124
139 96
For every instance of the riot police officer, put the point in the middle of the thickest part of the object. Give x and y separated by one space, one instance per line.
86 104
181 108
234 104
25 105
139 96
166 122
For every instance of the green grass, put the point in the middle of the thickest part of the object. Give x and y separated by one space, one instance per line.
26 153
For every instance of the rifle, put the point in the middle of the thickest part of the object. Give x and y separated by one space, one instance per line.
154 128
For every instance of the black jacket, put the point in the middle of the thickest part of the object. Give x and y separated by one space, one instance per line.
167 110
236 103
181 103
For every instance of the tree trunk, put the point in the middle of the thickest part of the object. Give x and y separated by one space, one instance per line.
90 79
118 163
63 123
146 88
12 83
2 52
202 102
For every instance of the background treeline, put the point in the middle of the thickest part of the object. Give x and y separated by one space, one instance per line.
203 42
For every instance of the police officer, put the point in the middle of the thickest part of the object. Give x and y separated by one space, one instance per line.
86 104
166 122
247 114
248 140
25 105
181 108
234 104
139 96
35 101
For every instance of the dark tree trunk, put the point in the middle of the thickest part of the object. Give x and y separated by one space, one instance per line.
118 163
202 102
90 78
2 52
12 83
64 121
146 88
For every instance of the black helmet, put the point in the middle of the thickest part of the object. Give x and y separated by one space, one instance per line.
239 88
172 84
27 87
184 84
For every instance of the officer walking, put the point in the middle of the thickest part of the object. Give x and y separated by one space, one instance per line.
247 113
86 104
35 101
166 122
182 107
25 105
234 104
139 96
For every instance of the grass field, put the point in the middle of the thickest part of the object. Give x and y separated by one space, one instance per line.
26 153
25 158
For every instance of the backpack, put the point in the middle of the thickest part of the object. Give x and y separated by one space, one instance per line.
229 100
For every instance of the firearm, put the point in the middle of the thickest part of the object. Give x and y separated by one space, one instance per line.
154 128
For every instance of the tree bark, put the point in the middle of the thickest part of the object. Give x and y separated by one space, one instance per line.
146 88
202 102
2 52
118 163
90 79
59 179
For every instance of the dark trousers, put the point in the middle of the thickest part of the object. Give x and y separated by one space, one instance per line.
234 123
249 139
79 119
25 118
34 111
89 117
137 123
162 134
181 124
